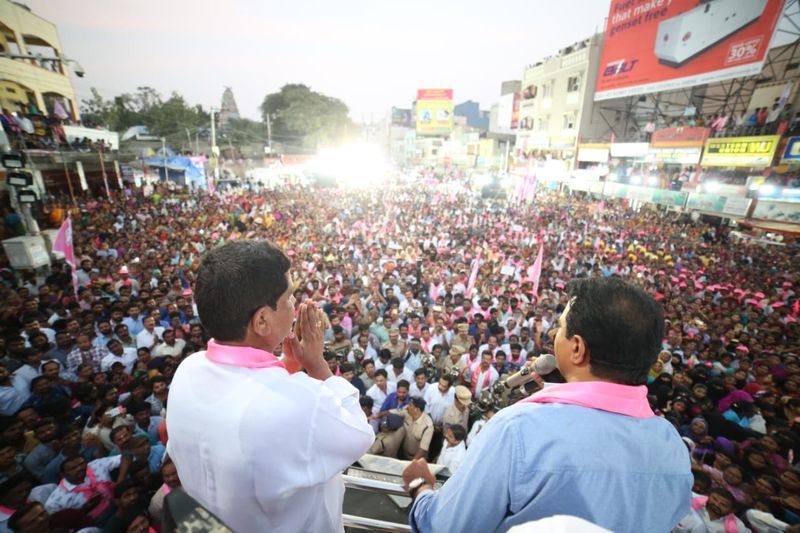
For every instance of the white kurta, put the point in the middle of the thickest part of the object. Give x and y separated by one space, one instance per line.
262 449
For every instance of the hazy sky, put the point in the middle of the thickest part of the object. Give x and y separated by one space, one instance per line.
371 54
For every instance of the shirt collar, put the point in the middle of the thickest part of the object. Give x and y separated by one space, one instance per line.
625 400
243 356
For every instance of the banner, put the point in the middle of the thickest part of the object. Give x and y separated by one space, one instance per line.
740 151
670 198
401 117
777 211
679 137
714 203
791 154
631 150
674 156
434 112
81 175
588 153
660 45
515 110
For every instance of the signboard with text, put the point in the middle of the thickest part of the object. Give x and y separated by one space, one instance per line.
660 45
434 112
679 137
791 154
740 151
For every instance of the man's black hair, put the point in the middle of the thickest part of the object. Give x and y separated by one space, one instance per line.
398 363
346 367
418 402
419 372
381 372
366 401
458 432
403 384
621 325
234 281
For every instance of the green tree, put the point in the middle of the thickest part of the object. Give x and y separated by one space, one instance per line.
306 117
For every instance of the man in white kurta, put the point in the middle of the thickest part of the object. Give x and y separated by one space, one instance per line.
263 449
257 442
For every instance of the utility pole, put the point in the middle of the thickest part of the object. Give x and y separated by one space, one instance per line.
214 149
164 157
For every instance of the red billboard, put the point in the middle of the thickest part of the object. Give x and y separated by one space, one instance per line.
680 137
660 45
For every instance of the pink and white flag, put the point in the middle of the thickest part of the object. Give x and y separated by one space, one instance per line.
63 244
476 264
535 272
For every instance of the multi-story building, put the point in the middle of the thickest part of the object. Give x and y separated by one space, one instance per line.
24 81
555 92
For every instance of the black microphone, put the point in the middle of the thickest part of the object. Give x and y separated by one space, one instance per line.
543 365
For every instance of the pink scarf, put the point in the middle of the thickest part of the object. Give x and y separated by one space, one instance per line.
621 399
244 356
105 489
730 520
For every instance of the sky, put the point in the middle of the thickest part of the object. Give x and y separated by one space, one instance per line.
371 54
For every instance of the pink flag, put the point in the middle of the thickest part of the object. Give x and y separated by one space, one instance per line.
476 264
535 272
63 244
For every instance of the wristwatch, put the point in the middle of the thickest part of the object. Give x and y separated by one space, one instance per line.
416 484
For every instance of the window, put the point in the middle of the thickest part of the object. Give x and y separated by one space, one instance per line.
544 123
569 121
573 84
547 89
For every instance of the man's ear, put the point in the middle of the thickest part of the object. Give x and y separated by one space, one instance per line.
261 323
579 352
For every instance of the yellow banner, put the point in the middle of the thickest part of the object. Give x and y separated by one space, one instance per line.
434 111
740 151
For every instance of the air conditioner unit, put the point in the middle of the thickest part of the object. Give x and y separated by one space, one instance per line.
689 34
29 252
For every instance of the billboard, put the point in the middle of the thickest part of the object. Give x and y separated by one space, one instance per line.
401 117
740 151
661 45
791 154
679 137
434 111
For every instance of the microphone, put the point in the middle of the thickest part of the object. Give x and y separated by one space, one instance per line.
543 365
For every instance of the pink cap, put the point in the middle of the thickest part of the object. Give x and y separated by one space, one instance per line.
124 270
743 348
187 292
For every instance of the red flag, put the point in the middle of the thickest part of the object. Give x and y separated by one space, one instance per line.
535 272
63 244
476 264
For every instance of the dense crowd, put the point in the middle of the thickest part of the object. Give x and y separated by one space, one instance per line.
85 374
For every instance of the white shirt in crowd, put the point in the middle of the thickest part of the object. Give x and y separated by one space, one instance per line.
476 428
437 403
378 396
66 497
405 374
452 456
145 339
262 449
416 392
700 522
164 349
486 379
128 359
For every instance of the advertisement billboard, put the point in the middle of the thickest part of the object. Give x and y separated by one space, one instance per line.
515 111
434 112
740 151
679 137
661 45
401 117
593 153
714 203
791 154
674 156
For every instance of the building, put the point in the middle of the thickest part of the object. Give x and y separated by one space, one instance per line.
228 110
555 92
29 81
472 112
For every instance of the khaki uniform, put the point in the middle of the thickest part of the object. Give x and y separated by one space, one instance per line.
463 344
453 416
448 364
341 348
398 350
387 443
418 435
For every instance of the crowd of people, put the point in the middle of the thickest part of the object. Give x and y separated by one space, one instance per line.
430 297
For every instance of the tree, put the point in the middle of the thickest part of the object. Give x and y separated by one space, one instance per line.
306 117
171 117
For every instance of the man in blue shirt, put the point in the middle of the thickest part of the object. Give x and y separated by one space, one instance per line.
590 448
395 400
